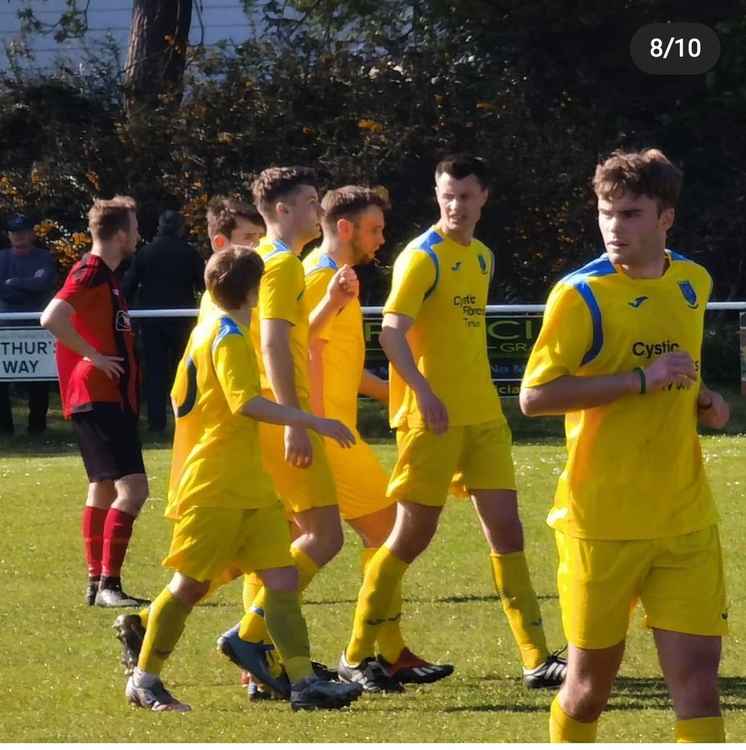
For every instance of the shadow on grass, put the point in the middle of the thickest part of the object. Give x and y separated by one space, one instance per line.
640 693
59 439
460 599
487 708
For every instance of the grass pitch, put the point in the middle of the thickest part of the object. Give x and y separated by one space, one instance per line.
60 678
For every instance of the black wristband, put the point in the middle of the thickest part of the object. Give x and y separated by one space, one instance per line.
643 382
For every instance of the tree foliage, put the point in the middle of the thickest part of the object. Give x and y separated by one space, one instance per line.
376 92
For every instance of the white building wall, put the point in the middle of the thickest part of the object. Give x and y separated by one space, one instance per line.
220 20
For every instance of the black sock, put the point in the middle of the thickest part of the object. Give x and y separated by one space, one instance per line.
111 582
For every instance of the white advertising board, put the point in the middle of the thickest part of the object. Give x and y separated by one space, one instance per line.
27 354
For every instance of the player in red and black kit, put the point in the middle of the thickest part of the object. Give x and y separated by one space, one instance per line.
99 383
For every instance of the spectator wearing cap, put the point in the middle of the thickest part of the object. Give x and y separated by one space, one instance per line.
166 273
28 275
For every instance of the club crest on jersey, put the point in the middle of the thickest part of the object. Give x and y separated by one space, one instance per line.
482 264
689 294
122 321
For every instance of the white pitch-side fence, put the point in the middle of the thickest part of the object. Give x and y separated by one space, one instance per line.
27 351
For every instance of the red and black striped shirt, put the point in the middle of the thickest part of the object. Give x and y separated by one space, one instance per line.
102 319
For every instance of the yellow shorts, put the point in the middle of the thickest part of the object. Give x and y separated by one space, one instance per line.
474 457
678 579
208 541
299 489
360 478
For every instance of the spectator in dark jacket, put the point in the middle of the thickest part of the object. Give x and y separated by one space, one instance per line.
166 273
27 280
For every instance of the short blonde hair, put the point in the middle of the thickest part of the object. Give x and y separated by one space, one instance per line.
107 217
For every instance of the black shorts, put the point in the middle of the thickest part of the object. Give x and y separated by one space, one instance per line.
109 442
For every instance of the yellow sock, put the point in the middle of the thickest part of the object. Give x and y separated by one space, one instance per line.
144 615
307 567
253 625
389 640
521 607
706 729
165 626
563 728
383 574
289 632
251 585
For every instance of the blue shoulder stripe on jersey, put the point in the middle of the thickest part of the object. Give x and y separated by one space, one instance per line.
579 280
228 327
677 256
324 262
425 244
279 247
584 288
191 395
601 266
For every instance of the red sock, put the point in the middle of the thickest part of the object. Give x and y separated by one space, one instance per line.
92 529
117 533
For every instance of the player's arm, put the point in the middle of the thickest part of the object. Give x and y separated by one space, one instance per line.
712 409
342 288
263 410
394 343
57 319
278 360
316 372
280 290
374 387
414 277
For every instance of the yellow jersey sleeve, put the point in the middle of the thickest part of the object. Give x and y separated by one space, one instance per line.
316 286
566 336
235 365
281 291
415 276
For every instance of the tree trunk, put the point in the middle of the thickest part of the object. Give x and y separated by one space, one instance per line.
157 53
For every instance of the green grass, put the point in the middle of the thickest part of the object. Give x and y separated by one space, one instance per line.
60 678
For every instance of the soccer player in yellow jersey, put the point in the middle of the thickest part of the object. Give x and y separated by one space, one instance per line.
230 223
450 426
353 222
288 200
619 356
225 510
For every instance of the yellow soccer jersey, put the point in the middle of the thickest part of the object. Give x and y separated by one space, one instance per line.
344 353
443 286
223 467
281 296
634 467
186 437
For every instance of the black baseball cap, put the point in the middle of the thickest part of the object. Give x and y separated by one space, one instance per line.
18 223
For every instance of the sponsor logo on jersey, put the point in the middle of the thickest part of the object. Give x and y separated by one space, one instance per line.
122 321
637 301
656 349
689 294
472 312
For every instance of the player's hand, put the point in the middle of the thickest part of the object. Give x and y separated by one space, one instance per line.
298 448
109 365
344 286
334 429
674 368
433 411
712 409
